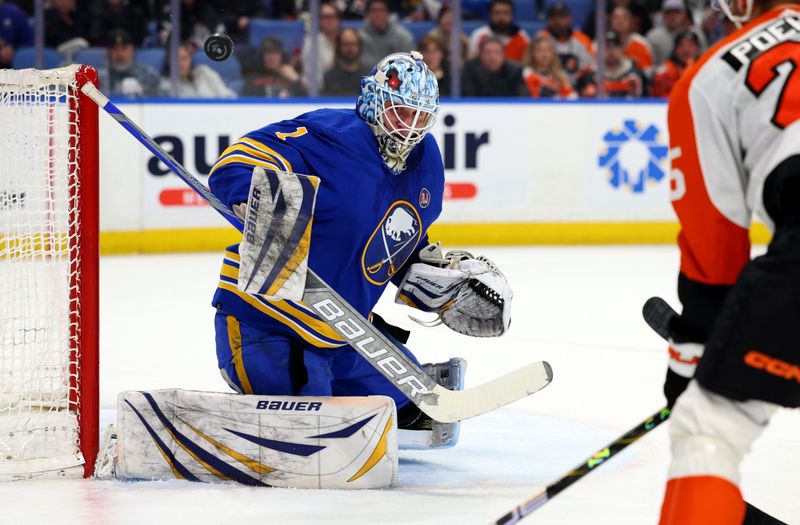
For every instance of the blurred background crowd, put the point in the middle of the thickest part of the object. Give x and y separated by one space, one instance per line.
559 49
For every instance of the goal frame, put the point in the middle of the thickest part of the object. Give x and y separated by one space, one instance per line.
85 348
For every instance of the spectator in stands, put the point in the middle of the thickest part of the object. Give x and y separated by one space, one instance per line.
424 10
281 9
124 76
432 50
491 74
573 47
381 36
501 26
635 45
329 22
442 31
116 14
348 68
623 78
275 78
542 71
675 21
194 80
715 26
15 32
235 15
686 50
63 22
641 11
198 20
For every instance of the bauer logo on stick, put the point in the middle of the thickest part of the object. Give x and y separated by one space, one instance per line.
218 47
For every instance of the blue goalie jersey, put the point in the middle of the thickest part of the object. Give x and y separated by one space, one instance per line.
368 223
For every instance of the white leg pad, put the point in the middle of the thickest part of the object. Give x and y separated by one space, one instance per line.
710 434
282 441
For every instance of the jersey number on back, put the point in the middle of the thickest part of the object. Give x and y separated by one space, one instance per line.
763 71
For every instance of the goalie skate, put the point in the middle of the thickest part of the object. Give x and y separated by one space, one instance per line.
426 433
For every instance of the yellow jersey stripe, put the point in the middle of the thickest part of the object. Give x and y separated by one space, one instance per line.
232 256
276 314
290 308
244 160
266 149
235 342
238 146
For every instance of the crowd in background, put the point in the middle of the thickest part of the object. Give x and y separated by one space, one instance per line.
648 45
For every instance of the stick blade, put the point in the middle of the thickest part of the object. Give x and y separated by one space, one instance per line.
452 406
658 314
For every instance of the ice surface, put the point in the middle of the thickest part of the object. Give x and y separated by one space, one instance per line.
579 308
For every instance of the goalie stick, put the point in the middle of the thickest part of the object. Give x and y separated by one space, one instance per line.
439 403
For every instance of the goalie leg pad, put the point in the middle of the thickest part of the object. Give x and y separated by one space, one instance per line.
302 442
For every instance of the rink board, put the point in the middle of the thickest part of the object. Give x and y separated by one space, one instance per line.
517 172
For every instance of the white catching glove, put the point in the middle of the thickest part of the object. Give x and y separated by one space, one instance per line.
470 295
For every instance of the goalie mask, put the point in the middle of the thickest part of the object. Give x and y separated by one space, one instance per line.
727 7
399 99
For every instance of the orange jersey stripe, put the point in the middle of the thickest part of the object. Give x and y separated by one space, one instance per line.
713 248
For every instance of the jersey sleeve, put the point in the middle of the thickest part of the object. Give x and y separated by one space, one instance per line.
709 199
267 147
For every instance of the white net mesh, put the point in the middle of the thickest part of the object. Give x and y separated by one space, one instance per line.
39 265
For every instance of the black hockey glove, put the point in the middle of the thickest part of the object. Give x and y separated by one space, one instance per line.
685 349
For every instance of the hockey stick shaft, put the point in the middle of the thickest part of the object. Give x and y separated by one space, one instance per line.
594 461
439 403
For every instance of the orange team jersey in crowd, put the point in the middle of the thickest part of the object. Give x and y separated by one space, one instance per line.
666 76
545 86
515 45
739 93
638 50
575 51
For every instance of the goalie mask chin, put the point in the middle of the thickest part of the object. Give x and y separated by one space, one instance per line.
399 99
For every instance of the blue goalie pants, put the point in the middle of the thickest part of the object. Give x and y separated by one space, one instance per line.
253 361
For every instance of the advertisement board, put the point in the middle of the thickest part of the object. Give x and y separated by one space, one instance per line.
506 163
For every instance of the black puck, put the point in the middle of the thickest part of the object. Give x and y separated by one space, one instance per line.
218 47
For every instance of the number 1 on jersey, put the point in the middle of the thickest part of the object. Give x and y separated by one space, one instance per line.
764 70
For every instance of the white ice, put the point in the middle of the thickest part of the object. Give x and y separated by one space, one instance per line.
578 308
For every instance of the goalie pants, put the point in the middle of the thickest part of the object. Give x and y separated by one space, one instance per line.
253 361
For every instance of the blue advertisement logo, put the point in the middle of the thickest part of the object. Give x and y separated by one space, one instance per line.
633 156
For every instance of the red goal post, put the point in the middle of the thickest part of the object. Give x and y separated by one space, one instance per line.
49 224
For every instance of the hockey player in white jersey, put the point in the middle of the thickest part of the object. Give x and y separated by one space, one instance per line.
734 122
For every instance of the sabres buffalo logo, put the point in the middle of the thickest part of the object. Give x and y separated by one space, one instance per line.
392 243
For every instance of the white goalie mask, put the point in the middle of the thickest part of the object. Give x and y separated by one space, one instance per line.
400 100
726 6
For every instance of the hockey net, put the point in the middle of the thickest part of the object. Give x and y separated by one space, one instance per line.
48 274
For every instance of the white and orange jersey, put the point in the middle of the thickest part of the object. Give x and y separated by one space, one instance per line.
733 118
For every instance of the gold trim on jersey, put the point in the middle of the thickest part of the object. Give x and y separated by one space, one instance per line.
287 166
244 160
235 344
275 308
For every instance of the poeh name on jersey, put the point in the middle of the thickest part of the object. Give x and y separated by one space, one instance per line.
786 28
